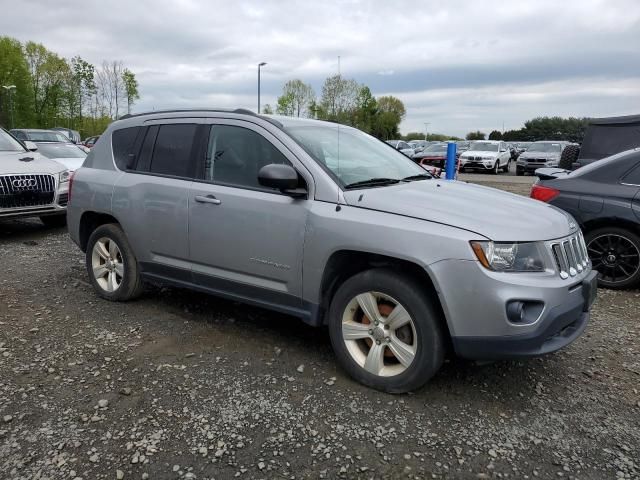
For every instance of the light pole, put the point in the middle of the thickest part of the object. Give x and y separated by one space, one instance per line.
260 65
9 89
426 130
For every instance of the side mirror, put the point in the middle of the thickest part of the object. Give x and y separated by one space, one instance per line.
32 147
281 177
503 149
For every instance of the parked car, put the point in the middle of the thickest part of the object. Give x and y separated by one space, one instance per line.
604 198
324 222
67 154
30 184
488 155
434 155
462 146
540 154
604 137
418 145
91 141
39 135
402 147
73 135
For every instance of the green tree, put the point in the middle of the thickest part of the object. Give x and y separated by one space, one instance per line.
14 70
495 135
130 87
298 98
267 109
365 110
285 105
391 111
339 98
477 135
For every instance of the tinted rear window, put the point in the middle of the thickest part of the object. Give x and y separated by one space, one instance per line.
172 151
123 142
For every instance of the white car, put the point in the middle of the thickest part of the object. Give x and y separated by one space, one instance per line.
490 155
402 147
68 154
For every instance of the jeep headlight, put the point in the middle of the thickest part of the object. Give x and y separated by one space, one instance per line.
509 256
63 177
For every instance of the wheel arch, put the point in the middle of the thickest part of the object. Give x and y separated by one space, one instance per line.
89 221
344 264
597 223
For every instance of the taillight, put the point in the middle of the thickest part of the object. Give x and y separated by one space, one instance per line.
70 185
544 194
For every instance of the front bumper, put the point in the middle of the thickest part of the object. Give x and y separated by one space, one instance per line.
58 207
474 301
531 167
478 164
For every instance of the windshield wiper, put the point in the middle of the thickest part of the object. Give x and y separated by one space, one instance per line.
372 182
420 176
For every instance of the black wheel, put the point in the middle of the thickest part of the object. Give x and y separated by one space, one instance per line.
111 265
385 331
496 168
506 167
615 253
569 155
519 172
54 221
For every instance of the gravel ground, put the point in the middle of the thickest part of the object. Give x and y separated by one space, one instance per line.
184 385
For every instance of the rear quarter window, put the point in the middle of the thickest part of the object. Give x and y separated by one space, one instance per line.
123 142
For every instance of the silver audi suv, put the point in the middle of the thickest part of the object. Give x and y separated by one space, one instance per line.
31 185
328 224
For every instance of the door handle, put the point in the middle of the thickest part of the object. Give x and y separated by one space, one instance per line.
208 199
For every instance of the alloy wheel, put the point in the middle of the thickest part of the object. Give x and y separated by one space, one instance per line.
379 334
616 257
107 264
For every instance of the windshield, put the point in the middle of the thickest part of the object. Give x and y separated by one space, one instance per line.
351 155
60 150
544 147
47 137
442 148
484 147
9 144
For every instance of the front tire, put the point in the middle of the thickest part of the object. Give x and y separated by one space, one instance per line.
615 254
386 333
496 168
111 264
519 172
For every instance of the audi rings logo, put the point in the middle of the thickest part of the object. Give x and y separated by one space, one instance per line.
24 183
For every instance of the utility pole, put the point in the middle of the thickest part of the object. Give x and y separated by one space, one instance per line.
426 130
10 89
339 74
260 65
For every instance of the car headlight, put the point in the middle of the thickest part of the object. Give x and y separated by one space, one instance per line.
509 256
63 176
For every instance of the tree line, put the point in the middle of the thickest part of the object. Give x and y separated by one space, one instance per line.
342 101
540 128
54 91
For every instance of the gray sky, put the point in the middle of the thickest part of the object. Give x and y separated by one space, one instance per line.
459 64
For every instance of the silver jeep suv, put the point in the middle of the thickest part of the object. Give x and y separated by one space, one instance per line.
326 223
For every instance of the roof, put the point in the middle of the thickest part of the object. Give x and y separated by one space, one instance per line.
615 120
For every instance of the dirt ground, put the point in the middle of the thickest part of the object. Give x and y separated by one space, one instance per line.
184 385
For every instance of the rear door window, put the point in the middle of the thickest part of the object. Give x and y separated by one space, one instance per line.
173 149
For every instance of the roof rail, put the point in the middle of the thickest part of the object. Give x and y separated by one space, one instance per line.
242 111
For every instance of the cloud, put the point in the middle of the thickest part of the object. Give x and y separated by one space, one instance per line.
459 65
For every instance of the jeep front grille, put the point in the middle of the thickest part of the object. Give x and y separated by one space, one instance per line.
570 255
18 191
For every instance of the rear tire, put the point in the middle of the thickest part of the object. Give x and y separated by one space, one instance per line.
569 155
519 172
111 264
506 167
54 221
394 359
615 253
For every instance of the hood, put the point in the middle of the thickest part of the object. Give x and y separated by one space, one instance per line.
10 163
492 213
70 163
480 153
